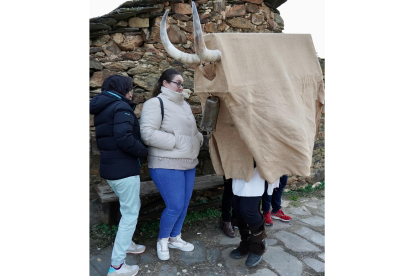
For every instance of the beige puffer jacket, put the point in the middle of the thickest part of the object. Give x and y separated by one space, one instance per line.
177 136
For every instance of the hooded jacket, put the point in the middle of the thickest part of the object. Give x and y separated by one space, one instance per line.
175 136
117 135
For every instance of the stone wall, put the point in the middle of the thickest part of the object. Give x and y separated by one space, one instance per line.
127 42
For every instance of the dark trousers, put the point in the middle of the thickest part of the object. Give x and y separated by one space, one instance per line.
226 201
276 198
245 209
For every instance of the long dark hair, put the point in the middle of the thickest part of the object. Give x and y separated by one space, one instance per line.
117 83
168 75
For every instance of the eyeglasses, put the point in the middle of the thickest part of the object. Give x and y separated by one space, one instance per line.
178 84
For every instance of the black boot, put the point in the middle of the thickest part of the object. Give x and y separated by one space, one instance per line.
257 245
243 248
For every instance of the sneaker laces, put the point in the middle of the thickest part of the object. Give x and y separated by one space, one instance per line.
164 245
180 240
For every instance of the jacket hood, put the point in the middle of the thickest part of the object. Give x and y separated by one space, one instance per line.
105 98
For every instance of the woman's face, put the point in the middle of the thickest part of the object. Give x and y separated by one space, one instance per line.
175 84
129 95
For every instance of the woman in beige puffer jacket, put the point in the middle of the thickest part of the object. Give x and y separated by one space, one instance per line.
173 146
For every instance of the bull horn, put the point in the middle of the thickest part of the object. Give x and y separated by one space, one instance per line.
171 50
201 50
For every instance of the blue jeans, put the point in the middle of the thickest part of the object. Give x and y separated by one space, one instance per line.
275 198
127 189
176 188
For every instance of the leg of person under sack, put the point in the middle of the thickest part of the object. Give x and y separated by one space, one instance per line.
252 231
127 189
276 197
175 187
226 204
266 199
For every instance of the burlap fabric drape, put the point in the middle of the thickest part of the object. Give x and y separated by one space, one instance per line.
271 92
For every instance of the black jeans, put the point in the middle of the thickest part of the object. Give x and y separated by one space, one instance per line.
226 201
275 198
246 209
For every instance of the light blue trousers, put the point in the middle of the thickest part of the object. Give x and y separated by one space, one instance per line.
127 189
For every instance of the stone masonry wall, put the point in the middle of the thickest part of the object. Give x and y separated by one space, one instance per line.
128 43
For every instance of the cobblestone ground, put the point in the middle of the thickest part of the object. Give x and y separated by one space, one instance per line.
294 248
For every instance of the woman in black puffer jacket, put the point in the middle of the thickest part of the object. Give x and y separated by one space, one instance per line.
119 141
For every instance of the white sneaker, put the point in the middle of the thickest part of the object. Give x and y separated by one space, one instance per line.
163 252
135 248
125 270
177 242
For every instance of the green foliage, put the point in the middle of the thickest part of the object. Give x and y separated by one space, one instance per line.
199 215
107 231
293 197
150 229
307 190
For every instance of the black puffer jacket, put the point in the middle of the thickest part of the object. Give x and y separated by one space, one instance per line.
117 135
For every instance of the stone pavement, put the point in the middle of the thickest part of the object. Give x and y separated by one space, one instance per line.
294 248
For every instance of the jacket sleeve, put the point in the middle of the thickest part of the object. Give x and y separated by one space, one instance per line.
150 123
123 127
200 138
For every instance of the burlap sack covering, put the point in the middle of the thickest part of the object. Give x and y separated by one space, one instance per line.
271 94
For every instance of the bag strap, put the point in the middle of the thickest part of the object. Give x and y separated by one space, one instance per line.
162 108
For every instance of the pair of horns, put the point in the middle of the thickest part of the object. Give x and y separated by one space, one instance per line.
202 53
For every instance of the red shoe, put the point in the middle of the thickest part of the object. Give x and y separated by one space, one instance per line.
280 215
268 219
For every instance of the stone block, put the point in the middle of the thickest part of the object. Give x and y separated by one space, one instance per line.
252 8
130 45
240 22
101 40
176 35
236 267
195 256
316 265
94 64
314 221
147 258
322 256
212 255
122 24
235 11
181 17
311 235
111 49
300 211
227 240
271 242
277 225
118 66
154 35
183 8
136 22
257 19
166 270
211 27
264 272
94 50
118 38
285 264
186 26
98 77
92 271
222 27
296 243
135 56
